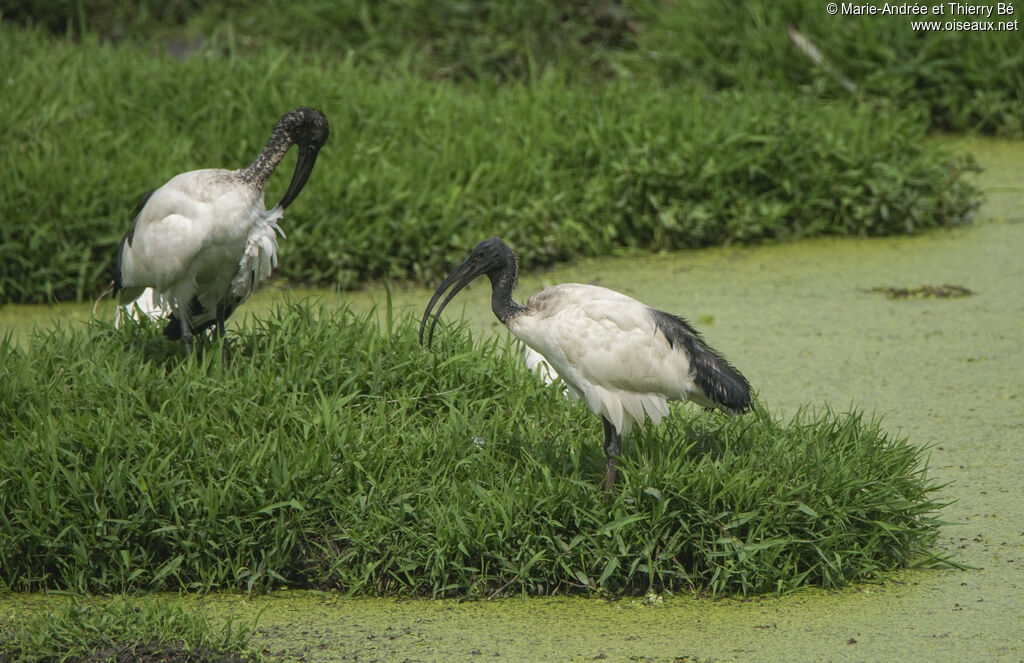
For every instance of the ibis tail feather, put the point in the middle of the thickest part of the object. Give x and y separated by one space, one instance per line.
721 382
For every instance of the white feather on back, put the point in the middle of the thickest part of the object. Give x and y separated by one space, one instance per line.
260 256
606 347
193 213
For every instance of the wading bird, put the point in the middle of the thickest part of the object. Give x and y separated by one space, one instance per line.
624 359
204 240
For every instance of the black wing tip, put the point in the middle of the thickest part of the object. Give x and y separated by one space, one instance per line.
736 396
721 382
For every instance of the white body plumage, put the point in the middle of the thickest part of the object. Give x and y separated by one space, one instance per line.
147 305
204 235
535 363
609 351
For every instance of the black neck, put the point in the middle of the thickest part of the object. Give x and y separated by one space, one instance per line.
260 170
503 279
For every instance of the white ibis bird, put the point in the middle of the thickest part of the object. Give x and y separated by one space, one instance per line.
624 359
205 239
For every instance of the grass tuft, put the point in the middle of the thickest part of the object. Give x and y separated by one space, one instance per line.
93 631
332 453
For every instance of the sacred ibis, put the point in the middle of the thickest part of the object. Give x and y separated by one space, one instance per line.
204 239
624 359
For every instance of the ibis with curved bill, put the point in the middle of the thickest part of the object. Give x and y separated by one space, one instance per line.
199 244
624 359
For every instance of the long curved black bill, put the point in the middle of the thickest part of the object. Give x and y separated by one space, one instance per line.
303 168
457 280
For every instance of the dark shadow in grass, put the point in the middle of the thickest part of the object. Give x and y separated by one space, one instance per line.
704 434
144 338
700 433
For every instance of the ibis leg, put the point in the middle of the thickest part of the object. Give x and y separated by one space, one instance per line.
186 334
224 352
612 449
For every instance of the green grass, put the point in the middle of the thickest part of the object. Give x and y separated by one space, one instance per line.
335 453
415 171
961 80
98 630
480 40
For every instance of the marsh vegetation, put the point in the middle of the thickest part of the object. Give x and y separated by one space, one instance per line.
558 164
332 452
354 460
